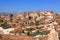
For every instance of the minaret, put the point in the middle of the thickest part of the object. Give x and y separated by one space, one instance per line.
53 35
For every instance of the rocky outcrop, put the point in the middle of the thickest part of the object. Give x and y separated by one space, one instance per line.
27 22
53 35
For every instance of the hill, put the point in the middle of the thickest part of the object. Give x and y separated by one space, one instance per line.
32 25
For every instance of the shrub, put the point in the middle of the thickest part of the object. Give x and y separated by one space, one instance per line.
59 33
11 15
11 19
29 29
36 33
1 20
5 25
23 31
43 33
36 22
33 33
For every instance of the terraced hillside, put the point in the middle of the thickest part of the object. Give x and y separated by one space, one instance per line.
28 25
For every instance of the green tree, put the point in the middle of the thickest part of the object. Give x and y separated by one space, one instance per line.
11 19
30 33
11 15
1 20
5 25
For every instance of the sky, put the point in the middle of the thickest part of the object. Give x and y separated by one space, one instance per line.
29 5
